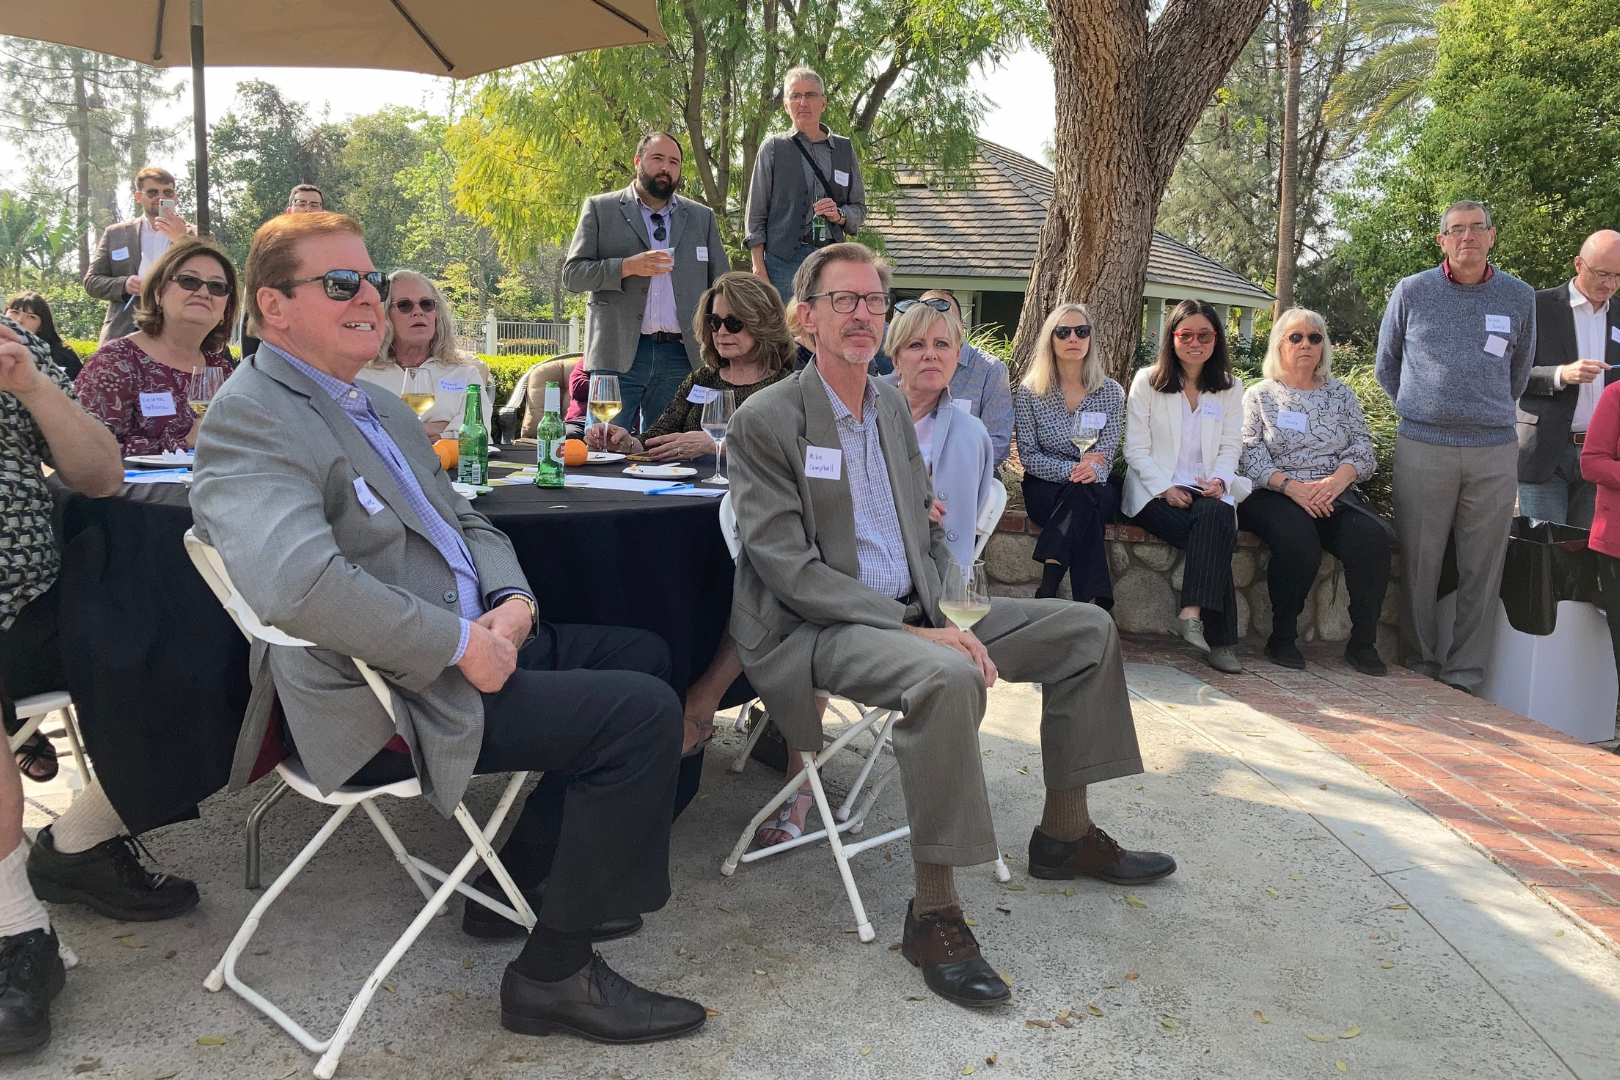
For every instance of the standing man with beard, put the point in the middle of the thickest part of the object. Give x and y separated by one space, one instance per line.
646 257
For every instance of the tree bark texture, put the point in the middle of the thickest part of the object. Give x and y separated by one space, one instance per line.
81 137
1128 95
1296 35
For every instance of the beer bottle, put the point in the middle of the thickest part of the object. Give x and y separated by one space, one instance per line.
549 436
472 463
820 231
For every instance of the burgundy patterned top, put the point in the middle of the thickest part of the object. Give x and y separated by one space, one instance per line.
111 385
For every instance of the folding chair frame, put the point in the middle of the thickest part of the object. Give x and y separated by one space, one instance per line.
33 710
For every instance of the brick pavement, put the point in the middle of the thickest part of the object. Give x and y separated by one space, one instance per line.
1536 801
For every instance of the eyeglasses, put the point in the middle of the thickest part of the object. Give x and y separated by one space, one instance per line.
191 283
1187 337
659 233
1313 337
342 284
938 303
427 304
730 322
1477 228
877 303
806 95
1080 332
307 204
1605 276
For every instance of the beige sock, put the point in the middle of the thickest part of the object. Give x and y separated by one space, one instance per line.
89 821
936 888
1066 817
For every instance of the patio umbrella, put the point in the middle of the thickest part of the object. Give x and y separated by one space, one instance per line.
458 38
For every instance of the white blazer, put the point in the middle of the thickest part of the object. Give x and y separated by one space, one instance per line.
1153 441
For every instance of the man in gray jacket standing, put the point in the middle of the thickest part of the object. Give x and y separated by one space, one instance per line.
799 176
1454 354
645 256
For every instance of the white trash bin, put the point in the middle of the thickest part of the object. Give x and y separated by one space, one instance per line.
1565 679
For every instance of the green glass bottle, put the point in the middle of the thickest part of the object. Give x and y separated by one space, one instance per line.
549 435
472 464
820 232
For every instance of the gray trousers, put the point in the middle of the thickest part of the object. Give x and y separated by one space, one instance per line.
1087 734
1441 490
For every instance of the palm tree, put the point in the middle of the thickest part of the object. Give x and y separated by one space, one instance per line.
1395 78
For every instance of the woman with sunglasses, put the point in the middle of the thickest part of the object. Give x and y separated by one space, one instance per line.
743 339
1182 440
32 312
419 343
138 385
1067 491
1305 444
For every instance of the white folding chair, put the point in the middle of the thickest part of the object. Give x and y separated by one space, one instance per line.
880 722
293 775
33 710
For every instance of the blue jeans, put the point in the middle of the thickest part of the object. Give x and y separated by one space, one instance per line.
781 271
650 384
1563 497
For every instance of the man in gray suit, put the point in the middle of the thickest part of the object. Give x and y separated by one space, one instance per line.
338 525
646 256
838 588
128 248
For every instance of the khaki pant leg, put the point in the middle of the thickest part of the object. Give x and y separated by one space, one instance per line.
1428 483
1484 519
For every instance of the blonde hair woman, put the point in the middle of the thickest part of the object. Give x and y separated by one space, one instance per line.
420 336
1305 444
1067 491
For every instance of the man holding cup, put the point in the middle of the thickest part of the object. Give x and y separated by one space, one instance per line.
128 248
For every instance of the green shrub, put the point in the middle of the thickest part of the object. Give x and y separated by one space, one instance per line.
507 370
1381 421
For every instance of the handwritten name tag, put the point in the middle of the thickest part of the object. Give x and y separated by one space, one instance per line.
1098 420
824 463
702 253
700 395
154 405
1496 345
1293 421
120 254
1214 410
965 404
367 499
841 178
1614 333
1498 324
453 386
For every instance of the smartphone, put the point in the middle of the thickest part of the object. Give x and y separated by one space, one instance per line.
166 207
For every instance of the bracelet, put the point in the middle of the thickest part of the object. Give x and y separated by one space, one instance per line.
1282 488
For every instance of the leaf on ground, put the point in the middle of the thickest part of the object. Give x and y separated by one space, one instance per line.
711 1012
1175 1016
1273 893
171 954
1037 1023
1004 978
1129 975
989 1059
850 930
987 753
865 1050
1004 910
212 1040
459 994
1260 1016
1341 1066
1468 901
1296 877
1396 907
1017 888
1135 901
1558 933
1051 892
172 1073
894 946
1387 964
1068 892
283 1076
86 1066
1171 1024
1358 832
915 997
1321 1038
967 1070
1024 769
759 971
970 922
1355 1030
1063 1022
1093 1010
468 963
131 943
1321 787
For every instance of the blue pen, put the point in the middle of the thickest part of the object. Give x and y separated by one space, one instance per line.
672 487
159 472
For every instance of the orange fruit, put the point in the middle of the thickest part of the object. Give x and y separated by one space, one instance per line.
574 452
449 452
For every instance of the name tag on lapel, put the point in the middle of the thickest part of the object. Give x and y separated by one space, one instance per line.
1498 324
1214 410
702 253
965 404
699 395
841 178
1098 420
1496 345
823 463
367 499
160 404
1293 421
120 254
453 386
1614 333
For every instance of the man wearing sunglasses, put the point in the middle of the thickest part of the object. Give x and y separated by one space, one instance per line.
338 525
128 248
1454 355
646 256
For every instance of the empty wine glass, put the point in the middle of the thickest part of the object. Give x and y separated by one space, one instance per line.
966 597
205 383
716 416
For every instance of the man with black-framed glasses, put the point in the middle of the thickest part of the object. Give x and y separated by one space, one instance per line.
129 248
1454 354
646 256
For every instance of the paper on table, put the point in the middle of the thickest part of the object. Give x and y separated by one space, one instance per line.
701 493
613 483
164 477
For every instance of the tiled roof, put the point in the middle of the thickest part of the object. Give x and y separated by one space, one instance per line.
989 226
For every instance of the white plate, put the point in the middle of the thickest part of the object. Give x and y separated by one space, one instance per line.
161 461
466 491
602 457
659 472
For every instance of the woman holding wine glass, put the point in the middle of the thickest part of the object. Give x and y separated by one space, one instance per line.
419 360
743 339
1069 417
141 385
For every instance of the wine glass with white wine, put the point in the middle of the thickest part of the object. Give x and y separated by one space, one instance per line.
966 597
604 403
205 383
419 390
1088 428
716 418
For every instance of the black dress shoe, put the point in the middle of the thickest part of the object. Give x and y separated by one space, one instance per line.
480 922
941 944
1365 659
1095 855
109 878
31 975
595 1003
1285 654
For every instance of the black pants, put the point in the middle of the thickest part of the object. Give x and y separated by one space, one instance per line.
1207 532
1071 517
589 706
30 655
1297 540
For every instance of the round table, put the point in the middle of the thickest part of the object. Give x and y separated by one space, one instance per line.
158 671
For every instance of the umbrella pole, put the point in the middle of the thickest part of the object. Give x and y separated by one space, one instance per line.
199 116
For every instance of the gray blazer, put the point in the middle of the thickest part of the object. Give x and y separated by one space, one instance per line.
779 200
1545 412
610 230
274 492
798 571
106 276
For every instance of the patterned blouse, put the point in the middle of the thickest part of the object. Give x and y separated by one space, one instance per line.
111 385
684 415
1044 424
1335 432
29 560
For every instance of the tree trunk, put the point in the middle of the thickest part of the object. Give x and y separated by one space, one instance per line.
1127 98
1297 30
81 137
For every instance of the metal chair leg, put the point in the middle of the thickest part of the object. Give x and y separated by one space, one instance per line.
254 820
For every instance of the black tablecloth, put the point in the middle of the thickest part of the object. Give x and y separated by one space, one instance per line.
159 672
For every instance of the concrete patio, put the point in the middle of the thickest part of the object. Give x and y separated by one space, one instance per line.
1321 924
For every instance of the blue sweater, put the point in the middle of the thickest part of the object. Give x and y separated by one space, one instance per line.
1436 360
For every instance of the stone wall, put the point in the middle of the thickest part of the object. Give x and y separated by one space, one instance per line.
1147 583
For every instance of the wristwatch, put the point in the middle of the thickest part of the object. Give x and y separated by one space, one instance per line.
534 609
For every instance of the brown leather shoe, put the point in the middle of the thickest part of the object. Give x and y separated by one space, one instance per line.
1094 855
941 944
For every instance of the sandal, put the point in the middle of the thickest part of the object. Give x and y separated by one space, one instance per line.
705 732
783 827
36 758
